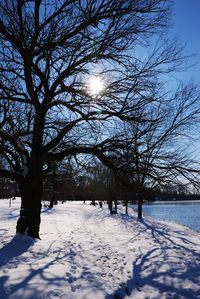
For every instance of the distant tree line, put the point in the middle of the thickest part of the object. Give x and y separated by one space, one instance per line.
95 183
98 183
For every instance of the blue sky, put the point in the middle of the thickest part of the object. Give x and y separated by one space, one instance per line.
186 19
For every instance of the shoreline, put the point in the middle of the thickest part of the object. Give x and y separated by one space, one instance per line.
162 202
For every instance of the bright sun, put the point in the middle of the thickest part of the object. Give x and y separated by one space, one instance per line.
96 85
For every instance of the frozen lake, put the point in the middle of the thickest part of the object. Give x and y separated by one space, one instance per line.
186 213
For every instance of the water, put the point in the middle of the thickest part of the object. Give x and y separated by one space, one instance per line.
184 213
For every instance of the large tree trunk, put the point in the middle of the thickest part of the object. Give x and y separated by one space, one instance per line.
31 186
31 195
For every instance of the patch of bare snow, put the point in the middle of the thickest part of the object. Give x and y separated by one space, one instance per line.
86 253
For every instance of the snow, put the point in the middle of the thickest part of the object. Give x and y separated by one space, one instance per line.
85 253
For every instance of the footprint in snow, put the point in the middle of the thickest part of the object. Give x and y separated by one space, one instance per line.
53 294
73 269
75 287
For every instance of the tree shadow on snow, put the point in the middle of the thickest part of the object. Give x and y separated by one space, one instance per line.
40 268
9 256
12 250
160 269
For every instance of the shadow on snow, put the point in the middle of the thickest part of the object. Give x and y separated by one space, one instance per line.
162 267
159 269
10 256
10 253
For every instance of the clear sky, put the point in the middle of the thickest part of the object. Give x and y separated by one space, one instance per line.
186 19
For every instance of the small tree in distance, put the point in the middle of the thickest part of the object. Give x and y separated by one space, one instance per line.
157 153
49 50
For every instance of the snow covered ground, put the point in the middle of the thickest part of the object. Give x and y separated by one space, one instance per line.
85 253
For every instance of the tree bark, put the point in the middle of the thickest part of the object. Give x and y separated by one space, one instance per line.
115 205
53 200
31 186
126 204
139 208
31 189
110 205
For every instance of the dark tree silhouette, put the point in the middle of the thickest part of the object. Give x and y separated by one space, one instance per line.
158 152
49 51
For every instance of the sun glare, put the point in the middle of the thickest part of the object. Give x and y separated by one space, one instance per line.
96 85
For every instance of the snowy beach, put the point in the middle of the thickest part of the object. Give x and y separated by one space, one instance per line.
86 253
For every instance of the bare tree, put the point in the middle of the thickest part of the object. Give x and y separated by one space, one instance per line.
158 151
49 50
